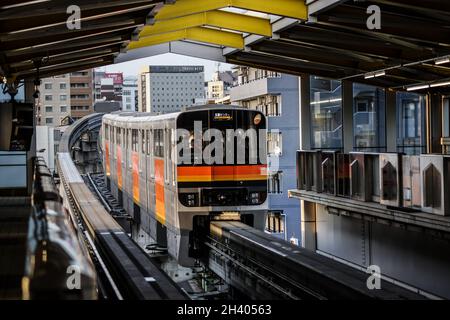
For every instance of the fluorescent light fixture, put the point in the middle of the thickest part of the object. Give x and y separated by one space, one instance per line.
440 84
419 87
442 60
375 74
325 101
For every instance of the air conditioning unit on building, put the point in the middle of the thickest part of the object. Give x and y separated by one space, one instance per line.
329 172
390 179
364 178
435 175
412 185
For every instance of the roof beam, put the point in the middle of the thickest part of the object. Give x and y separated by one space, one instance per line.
288 8
51 43
66 69
64 48
58 20
28 64
62 51
64 37
110 22
216 18
60 6
69 60
185 48
205 35
396 28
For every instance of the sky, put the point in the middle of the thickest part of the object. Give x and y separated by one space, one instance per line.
132 68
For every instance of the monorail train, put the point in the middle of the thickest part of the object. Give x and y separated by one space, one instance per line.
169 190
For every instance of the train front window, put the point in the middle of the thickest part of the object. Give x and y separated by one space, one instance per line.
221 137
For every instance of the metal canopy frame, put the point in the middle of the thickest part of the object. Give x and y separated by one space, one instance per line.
327 38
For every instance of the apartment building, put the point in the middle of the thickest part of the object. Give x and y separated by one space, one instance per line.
81 93
277 96
54 102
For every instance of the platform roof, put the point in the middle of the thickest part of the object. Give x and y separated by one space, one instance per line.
327 38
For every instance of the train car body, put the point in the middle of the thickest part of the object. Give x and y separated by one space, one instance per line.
165 178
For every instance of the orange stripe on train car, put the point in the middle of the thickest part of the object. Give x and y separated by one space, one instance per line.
222 173
135 163
159 191
222 170
222 178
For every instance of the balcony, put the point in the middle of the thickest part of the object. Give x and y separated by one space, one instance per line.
388 187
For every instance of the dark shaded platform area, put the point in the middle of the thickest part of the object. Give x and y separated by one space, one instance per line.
14 215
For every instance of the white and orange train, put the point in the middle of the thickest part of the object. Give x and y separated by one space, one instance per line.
168 198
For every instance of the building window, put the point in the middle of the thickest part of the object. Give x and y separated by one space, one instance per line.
63 86
63 97
49 120
63 109
48 109
274 142
80 74
48 86
48 97
369 118
326 113
79 96
275 183
275 222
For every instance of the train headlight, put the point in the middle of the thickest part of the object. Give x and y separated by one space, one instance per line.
257 119
254 197
189 199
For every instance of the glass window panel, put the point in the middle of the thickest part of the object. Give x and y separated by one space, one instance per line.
411 123
369 118
326 113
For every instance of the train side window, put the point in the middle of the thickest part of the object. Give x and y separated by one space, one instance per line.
106 132
118 136
143 143
158 143
148 143
134 140
168 162
127 139
151 144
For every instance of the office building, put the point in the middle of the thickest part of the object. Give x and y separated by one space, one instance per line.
130 94
165 89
